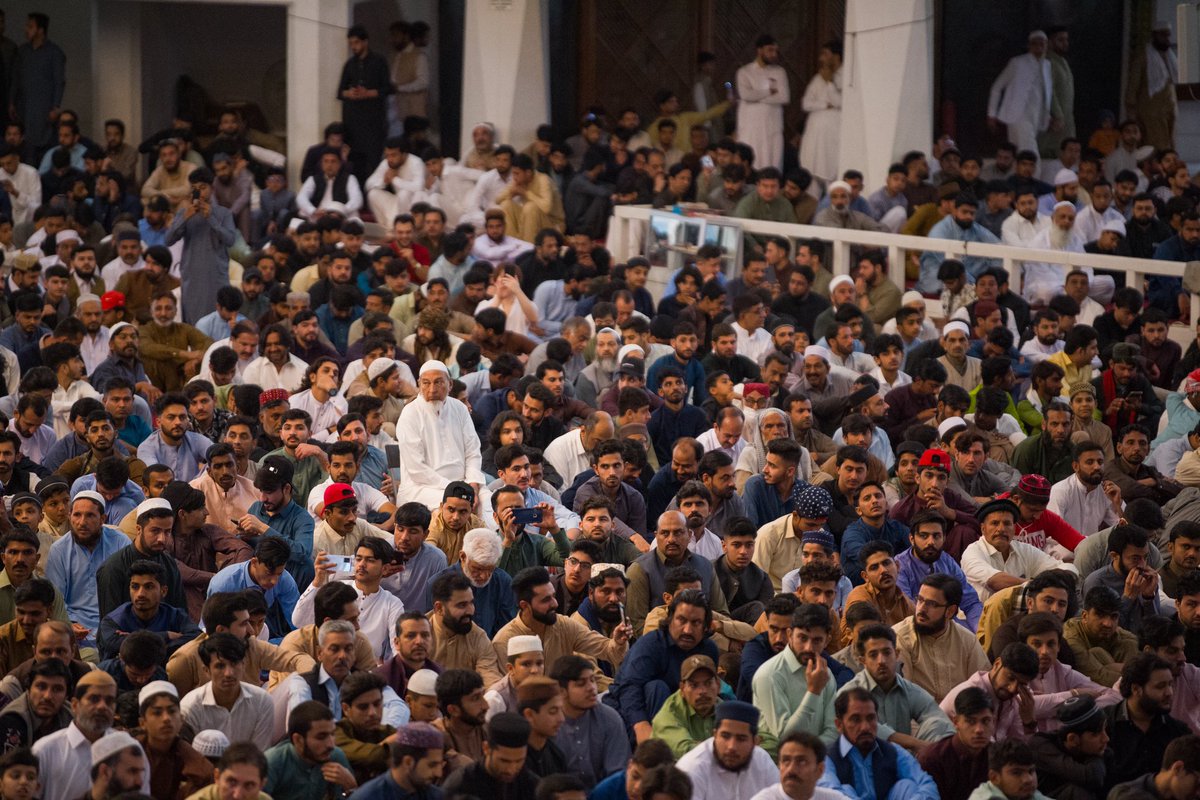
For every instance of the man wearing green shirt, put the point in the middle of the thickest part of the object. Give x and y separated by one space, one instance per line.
688 716
521 548
309 463
794 689
308 766
766 202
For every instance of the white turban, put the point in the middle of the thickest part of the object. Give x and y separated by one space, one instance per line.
818 351
838 280
956 325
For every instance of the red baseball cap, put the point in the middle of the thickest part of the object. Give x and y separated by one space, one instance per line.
112 300
934 459
338 493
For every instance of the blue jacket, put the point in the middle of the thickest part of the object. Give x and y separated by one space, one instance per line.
667 427
653 657
913 570
122 621
693 376
762 502
661 492
1161 289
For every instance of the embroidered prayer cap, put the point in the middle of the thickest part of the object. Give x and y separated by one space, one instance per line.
272 396
154 504
783 321
811 502
507 729
26 497
210 743
912 298
934 459
1077 713
999 504
537 689
112 743
110 301
421 735
26 262
738 711
50 486
423 682
821 538
600 569
524 644
459 490
274 473
1082 386
339 494
693 664
1034 485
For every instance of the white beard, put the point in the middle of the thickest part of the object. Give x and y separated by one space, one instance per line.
1059 237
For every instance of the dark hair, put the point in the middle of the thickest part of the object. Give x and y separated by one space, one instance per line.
224 645
1009 752
876 631
220 609
972 700
445 585
1137 671
302 717
842 703
453 684
689 597
1102 600
811 615
35 590
525 581
331 599
1020 658
272 552
678 576
146 650
950 587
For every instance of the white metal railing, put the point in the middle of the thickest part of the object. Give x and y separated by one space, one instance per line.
629 224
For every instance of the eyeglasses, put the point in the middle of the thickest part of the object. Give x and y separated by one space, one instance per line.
575 562
934 604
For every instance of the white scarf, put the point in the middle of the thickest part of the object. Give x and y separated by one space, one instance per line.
1161 68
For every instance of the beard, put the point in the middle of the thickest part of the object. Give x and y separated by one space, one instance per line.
606 366
609 613
1091 480
928 630
1059 237
965 224
546 618
459 626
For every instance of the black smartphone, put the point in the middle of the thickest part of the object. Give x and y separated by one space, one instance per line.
195 195
526 516
393 455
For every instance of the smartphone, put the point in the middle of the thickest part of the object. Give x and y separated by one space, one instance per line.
195 195
393 455
1134 397
706 162
621 608
342 565
526 516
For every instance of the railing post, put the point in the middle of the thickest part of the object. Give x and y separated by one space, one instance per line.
841 257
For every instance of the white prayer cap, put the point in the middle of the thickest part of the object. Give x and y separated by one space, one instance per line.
69 235
112 743
153 504
487 125
598 569
956 325
210 743
1038 34
88 494
1117 226
612 331
627 349
433 365
424 682
524 644
1064 204
380 366
1143 152
295 223
838 280
948 423
1161 25
818 351
113 330
911 298
1065 177
839 185
87 297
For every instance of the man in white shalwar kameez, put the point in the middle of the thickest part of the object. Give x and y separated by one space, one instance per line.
391 187
1041 281
1026 89
438 443
762 87
729 765
801 764
820 147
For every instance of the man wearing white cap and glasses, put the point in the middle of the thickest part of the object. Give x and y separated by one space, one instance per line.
75 560
1020 96
1150 90
526 658
438 443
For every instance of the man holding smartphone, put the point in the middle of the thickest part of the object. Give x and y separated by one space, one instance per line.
549 547
207 232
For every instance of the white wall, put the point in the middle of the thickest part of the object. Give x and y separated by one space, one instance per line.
887 84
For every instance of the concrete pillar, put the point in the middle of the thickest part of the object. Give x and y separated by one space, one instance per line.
316 51
887 84
505 81
117 58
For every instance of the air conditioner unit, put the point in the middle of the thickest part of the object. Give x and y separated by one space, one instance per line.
1187 26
